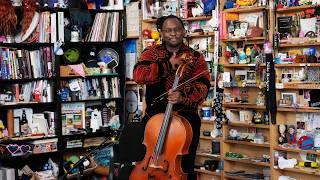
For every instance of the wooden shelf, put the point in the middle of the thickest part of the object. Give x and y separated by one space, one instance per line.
132 37
243 106
91 100
298 85
279 148
195 35
294 9
302 170
207 172
261 126
246 86
207 121
213 156
297 65
243 39
21 81
241 65
246 9
303 44
247 161
90 76
25 44
200 18
24 139
27 104
209 138
235 177
302 109
247 143
131 83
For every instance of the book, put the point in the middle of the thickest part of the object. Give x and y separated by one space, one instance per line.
61 26
53 27
73 116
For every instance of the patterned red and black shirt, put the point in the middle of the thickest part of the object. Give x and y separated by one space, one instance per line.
154 70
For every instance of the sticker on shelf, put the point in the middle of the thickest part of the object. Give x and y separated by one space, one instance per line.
279 85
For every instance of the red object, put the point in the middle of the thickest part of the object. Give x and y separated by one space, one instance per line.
279 6
227 54
146 34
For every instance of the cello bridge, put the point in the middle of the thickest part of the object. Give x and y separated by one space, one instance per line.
155 166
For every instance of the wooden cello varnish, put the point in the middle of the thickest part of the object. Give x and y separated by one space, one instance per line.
167 137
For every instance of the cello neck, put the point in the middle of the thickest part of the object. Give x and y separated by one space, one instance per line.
166 120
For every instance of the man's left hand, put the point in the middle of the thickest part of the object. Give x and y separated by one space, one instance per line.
174 97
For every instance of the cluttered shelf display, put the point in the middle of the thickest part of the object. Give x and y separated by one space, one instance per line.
55 46
297 86
246 134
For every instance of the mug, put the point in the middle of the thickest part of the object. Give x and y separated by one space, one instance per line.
206 113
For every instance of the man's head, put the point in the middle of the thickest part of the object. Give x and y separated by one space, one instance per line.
172 31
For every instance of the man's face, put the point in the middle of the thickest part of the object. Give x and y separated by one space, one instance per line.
172 32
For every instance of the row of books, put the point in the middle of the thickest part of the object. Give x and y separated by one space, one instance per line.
24 64
105 27
35 91
85 89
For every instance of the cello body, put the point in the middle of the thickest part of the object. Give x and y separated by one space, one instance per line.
167 164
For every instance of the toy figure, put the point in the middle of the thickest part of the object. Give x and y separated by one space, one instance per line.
24 127
260 99
292 135
283 131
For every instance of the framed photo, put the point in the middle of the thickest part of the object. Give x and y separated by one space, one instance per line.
289 98
251 77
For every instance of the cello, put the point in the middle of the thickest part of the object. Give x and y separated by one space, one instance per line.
167 137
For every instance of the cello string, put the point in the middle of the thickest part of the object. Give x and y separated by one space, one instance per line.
160 97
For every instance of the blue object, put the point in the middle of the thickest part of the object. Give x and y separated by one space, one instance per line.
306 142
229 4
206 112
312 51
209 5
103 156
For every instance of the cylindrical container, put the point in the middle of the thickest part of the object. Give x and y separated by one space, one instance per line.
49 93
206 113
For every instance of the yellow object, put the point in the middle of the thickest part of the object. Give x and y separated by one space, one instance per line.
1 128
245 2
155 35
308 164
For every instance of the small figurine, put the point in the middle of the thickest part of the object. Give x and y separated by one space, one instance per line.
24 127
292 134
283 131
260 99
257 118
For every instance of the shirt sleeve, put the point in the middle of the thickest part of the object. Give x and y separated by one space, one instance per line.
149 70
196 92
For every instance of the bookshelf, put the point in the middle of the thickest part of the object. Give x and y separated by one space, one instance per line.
289 115
37 79
240 149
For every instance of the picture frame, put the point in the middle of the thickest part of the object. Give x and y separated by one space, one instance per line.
290 98
251 77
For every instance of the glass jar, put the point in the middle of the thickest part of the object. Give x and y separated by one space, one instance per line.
75 34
